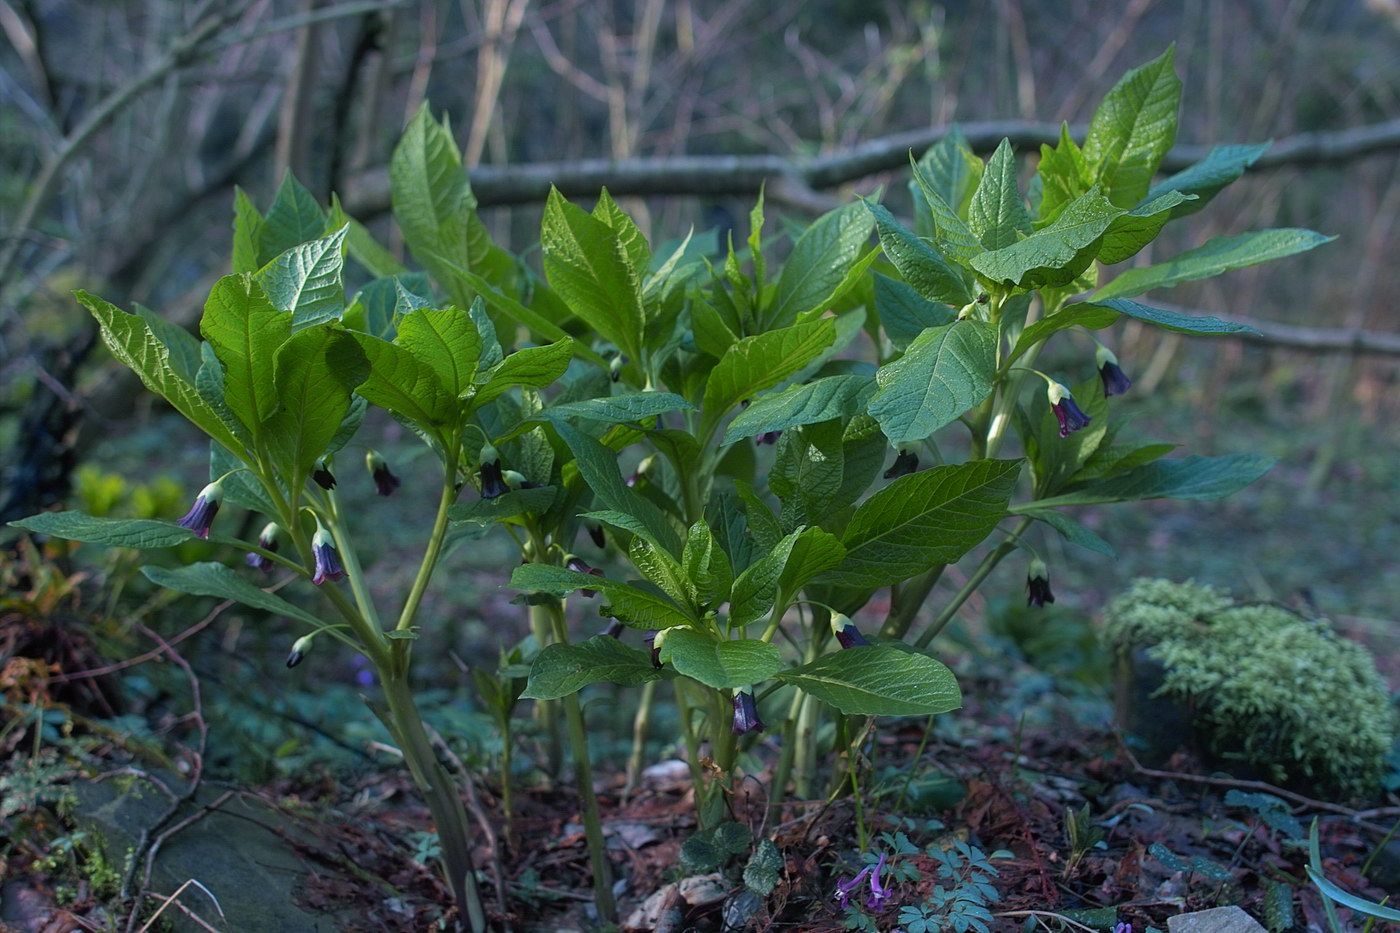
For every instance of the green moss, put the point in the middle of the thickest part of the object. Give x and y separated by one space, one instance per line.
1283 694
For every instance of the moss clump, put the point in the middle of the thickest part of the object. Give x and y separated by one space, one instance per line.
1283 694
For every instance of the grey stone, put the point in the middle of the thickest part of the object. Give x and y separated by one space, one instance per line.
702 890
1216 920
254 873
740 909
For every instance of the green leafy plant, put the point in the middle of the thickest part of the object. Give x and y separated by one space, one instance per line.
534 392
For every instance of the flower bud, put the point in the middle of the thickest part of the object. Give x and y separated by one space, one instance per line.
615 367
577 565
323 475
746 713
767 437
1115 381
299 649
1038 584
201 515
385 482
328 565
493 483
905 462
846 632
267 540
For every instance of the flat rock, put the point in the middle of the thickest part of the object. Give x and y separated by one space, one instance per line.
654 911
1216 920
703 890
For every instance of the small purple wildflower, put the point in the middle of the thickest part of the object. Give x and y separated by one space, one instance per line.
201 515
653 642
844 888
746 713
1067 411
300 647
905 462
267 540
878 892
1115 381
323 475
614 630
1038 584
385 482
846 632
596 533
328 566
577 565
767 437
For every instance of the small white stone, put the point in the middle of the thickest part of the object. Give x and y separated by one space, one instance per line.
1216 920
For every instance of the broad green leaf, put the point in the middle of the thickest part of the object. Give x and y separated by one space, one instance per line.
1056 255
1072 531
587 263
1208 176
186 354
1217 255
315 372
863 452
532 367
923 267
878 680
620 409
446 342
662 570
814 552
305 280
597 465
952 169
1096 315
560 670
208 578
1130 232
904 313
507 505
350 422
764 869
629 235
812 402
757 587
944 372
997 214
245 331
132 341
1083 314
760 362
723 665
1200 478
953 237
247 229
1133 128
1064 176
115 532
807 472
818 263
400 383
209 383
240 487
931 517
293 218
1111 459
533 320
707 567
629 605
1350 901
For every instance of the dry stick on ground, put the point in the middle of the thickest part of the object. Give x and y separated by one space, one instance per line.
1261 786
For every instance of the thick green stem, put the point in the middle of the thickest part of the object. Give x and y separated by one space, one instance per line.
547 711
809 718
437 788
692 742
778 791
439 534
907 600
583 776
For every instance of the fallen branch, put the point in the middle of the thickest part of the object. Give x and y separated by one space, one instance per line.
714 176
1311 339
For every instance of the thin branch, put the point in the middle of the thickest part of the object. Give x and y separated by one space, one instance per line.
742 175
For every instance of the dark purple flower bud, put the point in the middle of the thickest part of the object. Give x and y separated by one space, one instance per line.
745 713
596 533
1038 584
328 566
267 540
201 514
614 629
493 483
653 643
1122 928
642 470
878 892
846 632
844 888
768 437
385 482
615 367
1067 412
323 475
1115 381
299 649
905 462
577 565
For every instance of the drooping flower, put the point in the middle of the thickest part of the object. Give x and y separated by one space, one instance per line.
385 482
323 475
1115 381
905 462
615 629
516 480
653 642
1038 584
768 437
596 533
267 540
1067 411
201 514
640 473
745 713
846 632
328 566
300 647
577 565
615 367
493 484
878 892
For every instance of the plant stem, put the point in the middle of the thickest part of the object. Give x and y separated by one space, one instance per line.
989 563
639 735
439 534
907 600
783 769
351 559
553 611
437 788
